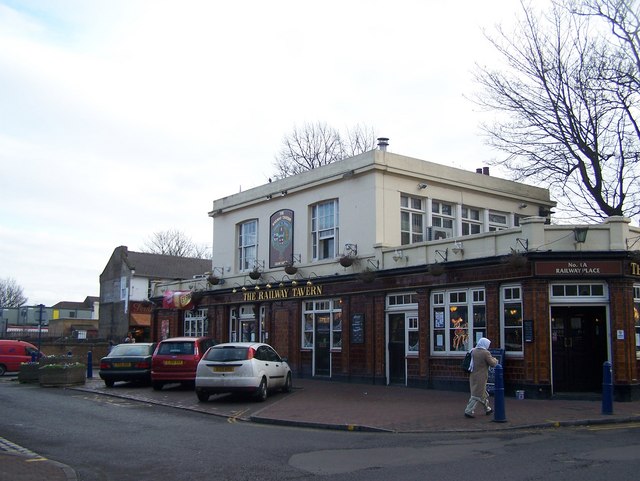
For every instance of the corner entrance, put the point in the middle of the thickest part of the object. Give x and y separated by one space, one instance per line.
578 347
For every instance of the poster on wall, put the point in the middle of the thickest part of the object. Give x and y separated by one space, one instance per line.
281 238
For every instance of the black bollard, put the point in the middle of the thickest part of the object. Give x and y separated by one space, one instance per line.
607 389
498 393
89 365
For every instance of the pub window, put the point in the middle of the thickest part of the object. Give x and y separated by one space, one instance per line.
458 320
247 244
325 315
411 220
471 221
441 220
196 323
498 221
636 316
412 334
511 307
578 289
324 230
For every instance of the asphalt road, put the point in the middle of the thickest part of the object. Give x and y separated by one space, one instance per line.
106 438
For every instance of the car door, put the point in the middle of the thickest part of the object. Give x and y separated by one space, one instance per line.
276 368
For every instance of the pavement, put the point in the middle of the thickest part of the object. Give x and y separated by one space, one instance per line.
336 405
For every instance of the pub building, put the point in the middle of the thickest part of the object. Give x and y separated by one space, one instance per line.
386 269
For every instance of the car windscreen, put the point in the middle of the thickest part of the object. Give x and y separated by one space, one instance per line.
177 347
130 350
227 353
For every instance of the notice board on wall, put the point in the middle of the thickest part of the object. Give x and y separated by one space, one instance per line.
357 329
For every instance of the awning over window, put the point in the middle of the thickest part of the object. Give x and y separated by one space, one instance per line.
140 319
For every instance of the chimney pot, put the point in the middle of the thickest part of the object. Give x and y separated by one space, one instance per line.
479 170
485 170
383 142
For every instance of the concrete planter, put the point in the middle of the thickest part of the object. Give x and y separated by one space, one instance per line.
55 375
29 372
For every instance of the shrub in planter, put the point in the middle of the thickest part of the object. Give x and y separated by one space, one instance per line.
62 374
28 372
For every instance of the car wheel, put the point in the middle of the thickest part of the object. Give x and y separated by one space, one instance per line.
109 383
288 384
157 386
203 396
3 369
261 393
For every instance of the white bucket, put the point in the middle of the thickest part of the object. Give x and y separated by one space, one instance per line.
520 395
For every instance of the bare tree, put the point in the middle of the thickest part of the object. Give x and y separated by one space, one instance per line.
11 294
175 243
567 105
314 145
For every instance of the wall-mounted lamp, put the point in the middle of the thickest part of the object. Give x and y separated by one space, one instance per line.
282 282
399 255
269 196
580 234
422 185
236 286
311 276
457 248
523 206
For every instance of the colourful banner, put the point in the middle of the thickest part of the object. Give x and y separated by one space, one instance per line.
177 300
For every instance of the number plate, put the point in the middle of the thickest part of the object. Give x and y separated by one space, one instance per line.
121 364
222 369
176 362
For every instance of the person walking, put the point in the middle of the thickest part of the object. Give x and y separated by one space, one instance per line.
481 361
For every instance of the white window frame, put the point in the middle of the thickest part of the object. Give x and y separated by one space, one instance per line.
583 291
496 222
321 307
324 229
469 222
442 219
510 301
412 213
445 333
196 323
247 245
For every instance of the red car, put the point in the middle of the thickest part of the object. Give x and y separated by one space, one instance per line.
175 360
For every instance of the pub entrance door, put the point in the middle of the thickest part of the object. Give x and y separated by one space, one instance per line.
578 347
397 364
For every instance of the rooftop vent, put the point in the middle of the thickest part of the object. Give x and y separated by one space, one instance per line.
383 142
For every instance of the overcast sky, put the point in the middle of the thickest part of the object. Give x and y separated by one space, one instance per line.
119 119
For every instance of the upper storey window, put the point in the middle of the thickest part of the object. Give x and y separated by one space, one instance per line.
498 221
324 229
441 220
471 221
411 219
247 244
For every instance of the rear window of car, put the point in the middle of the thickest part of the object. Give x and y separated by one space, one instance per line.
227 353
130 350
182 347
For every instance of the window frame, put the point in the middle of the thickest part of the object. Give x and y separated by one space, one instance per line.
441 220
407 227
321 235
468 223
511 300
406 303
246 242
313 308
195 323
457 337
636 316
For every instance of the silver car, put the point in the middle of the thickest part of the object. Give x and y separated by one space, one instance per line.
250 367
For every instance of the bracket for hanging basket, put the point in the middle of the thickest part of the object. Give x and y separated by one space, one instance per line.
436 269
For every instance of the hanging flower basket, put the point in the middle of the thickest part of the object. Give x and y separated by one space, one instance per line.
255 275
213 280
291 269
346 261
436 269
516 260
367 276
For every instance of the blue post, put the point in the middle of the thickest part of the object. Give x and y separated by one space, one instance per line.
89 365
607 389
498 393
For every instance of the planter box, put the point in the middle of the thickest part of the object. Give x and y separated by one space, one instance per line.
64 375
29 372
